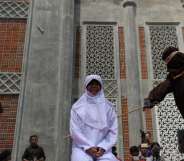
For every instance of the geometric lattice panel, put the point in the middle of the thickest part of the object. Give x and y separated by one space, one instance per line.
156 82
114 102
161 36
110 88
100 59
169 118
100 51
169 121
13 9
10 83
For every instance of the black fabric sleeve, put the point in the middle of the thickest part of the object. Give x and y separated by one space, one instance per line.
25 155
42 154
158 93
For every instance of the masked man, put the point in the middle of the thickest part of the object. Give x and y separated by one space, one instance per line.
174 82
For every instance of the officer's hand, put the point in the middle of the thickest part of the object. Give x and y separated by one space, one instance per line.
148 104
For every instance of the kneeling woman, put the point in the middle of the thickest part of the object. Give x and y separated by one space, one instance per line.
93 124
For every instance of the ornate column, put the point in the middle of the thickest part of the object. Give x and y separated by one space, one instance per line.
45 99
132 66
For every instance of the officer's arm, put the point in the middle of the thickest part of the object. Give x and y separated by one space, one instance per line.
158 93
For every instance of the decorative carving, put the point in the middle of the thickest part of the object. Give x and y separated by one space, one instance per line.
14 9
10 83
169 120
156 82
110 88
100 58
161 37
100 51
114 101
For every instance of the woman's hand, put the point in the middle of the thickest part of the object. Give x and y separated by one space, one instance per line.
100 152
92 151
95 152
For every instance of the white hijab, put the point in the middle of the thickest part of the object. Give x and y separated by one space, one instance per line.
93 109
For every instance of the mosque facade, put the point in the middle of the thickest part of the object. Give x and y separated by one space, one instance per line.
47 47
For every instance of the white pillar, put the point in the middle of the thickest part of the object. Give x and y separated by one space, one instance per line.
133 78
45 99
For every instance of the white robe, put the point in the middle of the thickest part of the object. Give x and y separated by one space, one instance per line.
93 123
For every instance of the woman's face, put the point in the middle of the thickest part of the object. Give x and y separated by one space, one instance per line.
93 87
